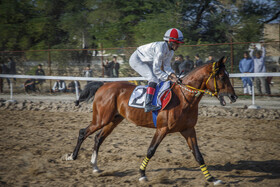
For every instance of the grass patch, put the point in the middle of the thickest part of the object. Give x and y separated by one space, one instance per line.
244 96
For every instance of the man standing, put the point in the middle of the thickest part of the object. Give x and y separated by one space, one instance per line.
210 59
246 65
87 72
259 67
175 65
186 66
116 67
198 62
1 81
40 72
5 70
12 67
108 68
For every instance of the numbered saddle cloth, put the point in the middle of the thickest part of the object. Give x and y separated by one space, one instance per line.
137 98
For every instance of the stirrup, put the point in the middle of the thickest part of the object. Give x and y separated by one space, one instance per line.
149 108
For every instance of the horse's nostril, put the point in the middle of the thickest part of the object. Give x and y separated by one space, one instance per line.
233 98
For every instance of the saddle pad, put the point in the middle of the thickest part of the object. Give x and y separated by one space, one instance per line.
137 98
164 98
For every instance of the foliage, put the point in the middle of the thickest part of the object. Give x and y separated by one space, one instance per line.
58 24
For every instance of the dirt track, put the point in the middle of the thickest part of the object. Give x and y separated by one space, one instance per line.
240 152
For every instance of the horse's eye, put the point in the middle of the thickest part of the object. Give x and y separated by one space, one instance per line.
223 77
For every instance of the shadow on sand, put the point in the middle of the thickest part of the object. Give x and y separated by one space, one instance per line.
269 168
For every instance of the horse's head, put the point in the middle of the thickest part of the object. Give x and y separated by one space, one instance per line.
218 81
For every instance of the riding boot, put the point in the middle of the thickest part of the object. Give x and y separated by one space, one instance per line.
149 99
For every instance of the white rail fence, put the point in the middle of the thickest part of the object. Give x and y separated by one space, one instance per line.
65 78
233 75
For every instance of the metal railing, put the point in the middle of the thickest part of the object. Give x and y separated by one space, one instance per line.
233 75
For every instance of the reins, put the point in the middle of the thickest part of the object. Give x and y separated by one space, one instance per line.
199 91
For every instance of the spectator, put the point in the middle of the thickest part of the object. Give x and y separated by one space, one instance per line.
246 65
95 53
12 67
198 62
210 59
59 86
175 65
108 68
29 85
269 79
259 67
1 81
115 67
72 88
5 70
186 66
87 72
40 72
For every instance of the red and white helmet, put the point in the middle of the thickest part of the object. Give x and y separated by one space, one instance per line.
174 35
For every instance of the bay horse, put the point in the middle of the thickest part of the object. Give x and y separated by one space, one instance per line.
110 107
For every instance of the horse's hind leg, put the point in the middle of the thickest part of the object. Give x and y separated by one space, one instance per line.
83 134
100 137
190 136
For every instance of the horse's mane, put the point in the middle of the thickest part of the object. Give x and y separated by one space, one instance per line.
201 67
195 70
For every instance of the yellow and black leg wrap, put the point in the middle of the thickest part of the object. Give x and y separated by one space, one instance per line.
143 167
144 164
206 172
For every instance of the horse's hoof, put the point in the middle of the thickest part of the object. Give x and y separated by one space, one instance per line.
77 102
217 182
143 179
67 157
96 170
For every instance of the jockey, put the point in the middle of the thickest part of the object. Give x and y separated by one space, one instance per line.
152 61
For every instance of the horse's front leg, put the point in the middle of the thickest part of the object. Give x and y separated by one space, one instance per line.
190 136
158 137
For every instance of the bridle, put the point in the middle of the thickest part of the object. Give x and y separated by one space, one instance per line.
200 91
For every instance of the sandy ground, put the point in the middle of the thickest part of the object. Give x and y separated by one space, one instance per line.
240 152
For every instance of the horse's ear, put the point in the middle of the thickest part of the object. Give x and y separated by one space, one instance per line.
222 60
225 59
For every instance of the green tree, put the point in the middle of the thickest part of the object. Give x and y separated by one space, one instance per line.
40 24
14 16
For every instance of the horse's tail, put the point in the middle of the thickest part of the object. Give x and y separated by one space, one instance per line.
89 92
